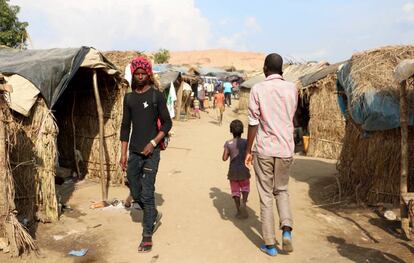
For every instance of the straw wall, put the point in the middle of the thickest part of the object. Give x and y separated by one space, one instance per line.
372 70
81 101
369 165
33 159
326 124
11 231
244 99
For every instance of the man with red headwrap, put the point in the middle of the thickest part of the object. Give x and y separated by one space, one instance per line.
142 107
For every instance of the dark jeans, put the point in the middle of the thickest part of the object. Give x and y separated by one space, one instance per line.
141 173
227 97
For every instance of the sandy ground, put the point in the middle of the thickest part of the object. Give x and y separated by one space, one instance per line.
220 58
199 223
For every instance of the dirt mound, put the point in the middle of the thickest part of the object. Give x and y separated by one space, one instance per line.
219 58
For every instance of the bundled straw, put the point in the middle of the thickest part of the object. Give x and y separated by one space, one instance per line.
369 165
372 70
17 236
85 119
326 124
121 58
34 158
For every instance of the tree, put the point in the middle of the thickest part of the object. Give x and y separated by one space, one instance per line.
12 32
162 56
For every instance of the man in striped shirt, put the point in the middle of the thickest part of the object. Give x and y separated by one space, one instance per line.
272 105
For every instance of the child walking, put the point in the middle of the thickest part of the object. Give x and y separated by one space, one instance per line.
238 174
196 104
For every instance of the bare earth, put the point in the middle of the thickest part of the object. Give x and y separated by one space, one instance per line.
199 223
219 58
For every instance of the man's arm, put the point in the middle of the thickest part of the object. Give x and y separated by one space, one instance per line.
251 134
125 131
253 116
123 161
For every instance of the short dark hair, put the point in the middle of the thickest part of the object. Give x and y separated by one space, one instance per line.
274 63
236 128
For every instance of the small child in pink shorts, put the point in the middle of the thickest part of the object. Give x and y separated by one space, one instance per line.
238 174
196 104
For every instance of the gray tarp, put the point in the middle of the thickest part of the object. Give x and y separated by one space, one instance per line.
308 79
167 77
49 70
248 84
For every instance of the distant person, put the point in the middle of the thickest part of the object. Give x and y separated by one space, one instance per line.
238 174
272 105
235 88
227 92
217 86
196 104
219 105
210 88
142 107
186 99
201 96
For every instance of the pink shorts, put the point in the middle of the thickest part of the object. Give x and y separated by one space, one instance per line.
238 186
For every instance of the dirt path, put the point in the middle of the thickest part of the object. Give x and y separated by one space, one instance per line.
199 223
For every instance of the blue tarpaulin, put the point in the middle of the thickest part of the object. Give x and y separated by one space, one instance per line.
374 110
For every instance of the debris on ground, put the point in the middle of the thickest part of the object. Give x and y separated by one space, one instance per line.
78 253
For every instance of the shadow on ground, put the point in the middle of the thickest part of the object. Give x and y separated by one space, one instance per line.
136 214
362 254
226 208
364 224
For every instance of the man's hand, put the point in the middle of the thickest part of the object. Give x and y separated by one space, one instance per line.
248 160
149 148
123 162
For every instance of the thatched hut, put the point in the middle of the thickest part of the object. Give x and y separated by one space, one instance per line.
326 125
245 88
291 73
13 235
404 75
54 122
369 164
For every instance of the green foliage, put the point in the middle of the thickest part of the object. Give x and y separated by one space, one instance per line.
162 56
12 31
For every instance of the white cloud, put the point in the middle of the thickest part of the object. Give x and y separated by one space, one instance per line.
224 22
122 24
238 40
408 7
408 10
234 41
251 24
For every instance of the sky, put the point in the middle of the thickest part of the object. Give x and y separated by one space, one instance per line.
299 30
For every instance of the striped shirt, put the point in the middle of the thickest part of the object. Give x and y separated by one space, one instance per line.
272 105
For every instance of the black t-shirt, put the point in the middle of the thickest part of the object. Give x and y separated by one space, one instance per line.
139 109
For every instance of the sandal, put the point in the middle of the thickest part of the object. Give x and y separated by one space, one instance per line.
145 247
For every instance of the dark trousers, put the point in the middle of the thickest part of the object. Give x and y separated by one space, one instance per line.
227 97
141 173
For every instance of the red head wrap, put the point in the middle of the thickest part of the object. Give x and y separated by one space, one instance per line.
143 63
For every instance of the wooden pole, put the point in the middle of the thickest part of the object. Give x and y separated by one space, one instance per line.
74 137
4 209
101 137
179 101
404 161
